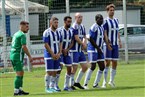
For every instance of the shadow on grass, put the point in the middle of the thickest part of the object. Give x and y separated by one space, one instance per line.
117 88
91 90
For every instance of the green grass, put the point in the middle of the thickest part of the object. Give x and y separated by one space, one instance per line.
129 83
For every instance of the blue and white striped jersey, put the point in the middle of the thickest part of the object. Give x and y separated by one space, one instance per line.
112 27
97 33
80 31
67 37
53 39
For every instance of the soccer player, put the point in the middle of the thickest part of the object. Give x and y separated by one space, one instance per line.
95 54
111 28
67 43
18 49
77 54
52 43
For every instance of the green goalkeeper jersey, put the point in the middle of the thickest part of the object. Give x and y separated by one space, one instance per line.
18 40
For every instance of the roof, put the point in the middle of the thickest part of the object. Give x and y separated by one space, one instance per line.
17 6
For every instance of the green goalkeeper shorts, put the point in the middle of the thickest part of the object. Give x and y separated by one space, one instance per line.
17 65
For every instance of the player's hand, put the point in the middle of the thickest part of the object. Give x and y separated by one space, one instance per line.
99 50
54 56
120 44
84 46
57 56
64 51
109 47
30 59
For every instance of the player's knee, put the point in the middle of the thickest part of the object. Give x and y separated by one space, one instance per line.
84 68
102 68
93 66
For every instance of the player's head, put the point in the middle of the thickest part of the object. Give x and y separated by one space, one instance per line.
24 26
67 21
54 22
110 9
99 19
78 18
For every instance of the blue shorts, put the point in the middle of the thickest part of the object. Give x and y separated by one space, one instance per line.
66 60
94 57
78 57
111 54
52 65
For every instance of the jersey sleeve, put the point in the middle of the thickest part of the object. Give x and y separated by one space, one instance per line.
46 36
75 29
105 25
23 39
92 34
61 37
84 31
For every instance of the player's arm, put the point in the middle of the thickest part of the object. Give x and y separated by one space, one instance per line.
94 44
107 41
85 41
71 45
120 43
24 47
46 38
65 51
46 45
78 39
91 38
76 36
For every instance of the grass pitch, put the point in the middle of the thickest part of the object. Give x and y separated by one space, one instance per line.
130 82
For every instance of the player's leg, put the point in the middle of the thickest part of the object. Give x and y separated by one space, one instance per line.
18 82
115 56
75 60
68 64
56 67
84 67
58 74
48 75
101 66
92 57
108 58
99 73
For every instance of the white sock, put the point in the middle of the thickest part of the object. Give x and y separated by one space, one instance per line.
67 79
72 80
112 74
88 76
79 77
105 74
98 77
57 79
16 90
52 82
47 80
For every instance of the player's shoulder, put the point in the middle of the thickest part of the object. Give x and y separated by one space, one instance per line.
60 29
46 32
83 26
116 19
19 34
75 25
94 27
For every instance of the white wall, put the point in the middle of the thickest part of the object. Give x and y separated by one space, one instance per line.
133 17
33 22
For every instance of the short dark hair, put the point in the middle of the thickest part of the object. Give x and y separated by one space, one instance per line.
109 6
23 23
98 16
54 18
67 17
